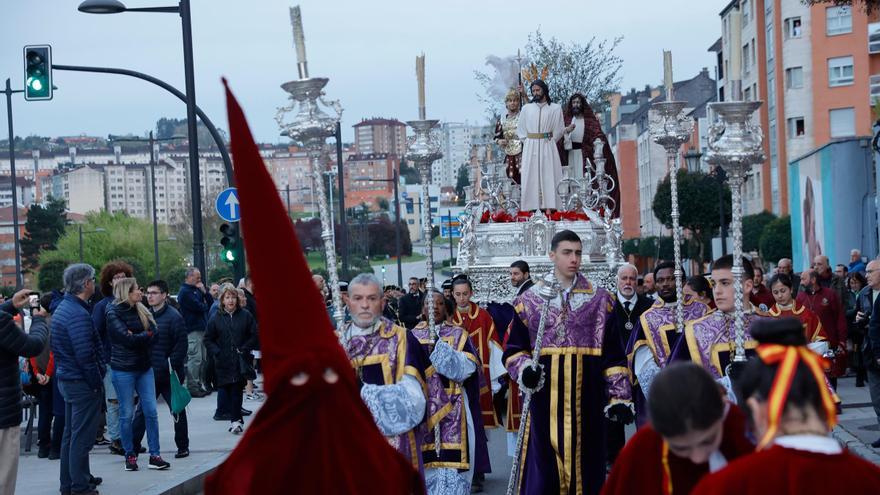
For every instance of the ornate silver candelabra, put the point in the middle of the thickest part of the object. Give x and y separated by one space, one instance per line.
310 126
671 128
424 150
735 144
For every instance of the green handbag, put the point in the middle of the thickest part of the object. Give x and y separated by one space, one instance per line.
180 396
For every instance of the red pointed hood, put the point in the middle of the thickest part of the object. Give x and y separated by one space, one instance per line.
317 436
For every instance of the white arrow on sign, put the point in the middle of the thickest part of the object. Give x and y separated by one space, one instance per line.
232 203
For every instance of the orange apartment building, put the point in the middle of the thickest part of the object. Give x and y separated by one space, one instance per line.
817 72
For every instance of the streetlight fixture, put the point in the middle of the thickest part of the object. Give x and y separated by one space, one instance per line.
692 158
83 232
182 8
394 180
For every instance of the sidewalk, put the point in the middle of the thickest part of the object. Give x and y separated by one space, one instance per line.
210 444
857 426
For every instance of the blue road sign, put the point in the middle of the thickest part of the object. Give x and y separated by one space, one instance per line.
227 205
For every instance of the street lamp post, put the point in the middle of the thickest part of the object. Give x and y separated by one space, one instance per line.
15 231
152 143
81 233
396 182
183 9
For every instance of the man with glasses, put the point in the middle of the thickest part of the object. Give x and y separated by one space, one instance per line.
168 350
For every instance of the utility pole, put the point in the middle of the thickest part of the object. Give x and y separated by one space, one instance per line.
15 231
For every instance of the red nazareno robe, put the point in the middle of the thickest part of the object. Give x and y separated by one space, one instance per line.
481 328
640 469
813 330
781 471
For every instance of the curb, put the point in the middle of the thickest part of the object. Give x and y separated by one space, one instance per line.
194 483
854 445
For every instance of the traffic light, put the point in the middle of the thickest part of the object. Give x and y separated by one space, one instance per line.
231 252
37 72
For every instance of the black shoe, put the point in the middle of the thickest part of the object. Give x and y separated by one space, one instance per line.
90 492
95 480
54 455
116 447
197 394
860 382
181 453
246 412
141 450
102 441
876 444
131 463
222 417
157 462
43 452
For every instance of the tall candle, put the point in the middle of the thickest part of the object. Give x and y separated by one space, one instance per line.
735 45
299 39
420 76
667 73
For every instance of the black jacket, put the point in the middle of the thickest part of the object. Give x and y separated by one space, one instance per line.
14 343
227 338
410 309
169 343
643 303
129 341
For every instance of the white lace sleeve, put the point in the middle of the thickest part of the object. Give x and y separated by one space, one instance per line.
496 367
820 347
645 368
397 408
451 363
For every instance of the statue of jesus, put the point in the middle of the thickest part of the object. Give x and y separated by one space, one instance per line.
540 127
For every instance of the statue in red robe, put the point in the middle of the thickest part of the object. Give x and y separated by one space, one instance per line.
582 127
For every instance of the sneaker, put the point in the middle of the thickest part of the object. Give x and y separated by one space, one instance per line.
102 441
156 462
116 447
54 455
246 412
181 453
131 463
222 417
95 480
236 427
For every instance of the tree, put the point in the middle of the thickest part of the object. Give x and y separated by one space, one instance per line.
166 128
698 206
752 227
124 237
410 174
383 204
776 239
44 226
461 183
51 275
590 68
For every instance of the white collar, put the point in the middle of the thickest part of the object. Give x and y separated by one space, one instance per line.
810 443
632 300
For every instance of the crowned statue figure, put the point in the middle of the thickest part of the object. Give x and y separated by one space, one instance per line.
506 137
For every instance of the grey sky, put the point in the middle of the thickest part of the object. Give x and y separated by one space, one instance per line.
367 49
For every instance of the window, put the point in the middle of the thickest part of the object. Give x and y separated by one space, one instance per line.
794 77
875 88
843 122
747 94
752 46
746 14
840 71
746 64
838 20
792 28
874 37
796 127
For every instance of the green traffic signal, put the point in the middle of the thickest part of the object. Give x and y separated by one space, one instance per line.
38 72
229 241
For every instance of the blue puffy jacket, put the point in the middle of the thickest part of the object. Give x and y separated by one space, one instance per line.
75 343
194 307
129 341
169 343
